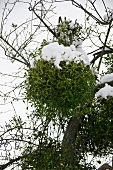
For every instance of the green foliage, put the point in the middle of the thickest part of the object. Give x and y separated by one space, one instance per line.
97 129
59 90
45 157
108 61
59 94
67 32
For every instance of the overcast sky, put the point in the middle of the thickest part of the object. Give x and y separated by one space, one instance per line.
19 15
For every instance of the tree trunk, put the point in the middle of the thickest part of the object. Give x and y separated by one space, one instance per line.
69 140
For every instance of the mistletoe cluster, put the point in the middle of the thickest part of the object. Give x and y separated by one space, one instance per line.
58 92
67 31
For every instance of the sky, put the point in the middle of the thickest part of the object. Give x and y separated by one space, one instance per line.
19 15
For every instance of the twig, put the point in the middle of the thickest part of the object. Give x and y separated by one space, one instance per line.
50 30
24 62
90 14
4 166
102 53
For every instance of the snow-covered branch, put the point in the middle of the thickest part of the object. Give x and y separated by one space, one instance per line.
105 86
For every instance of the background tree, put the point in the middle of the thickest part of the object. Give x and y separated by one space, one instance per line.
69 114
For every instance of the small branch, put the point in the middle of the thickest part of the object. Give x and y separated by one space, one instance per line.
4 166
7 14
90 14
98 54
102 53
104 5
50 30
92 3
24 62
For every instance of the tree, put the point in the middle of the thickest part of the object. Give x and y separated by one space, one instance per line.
71 113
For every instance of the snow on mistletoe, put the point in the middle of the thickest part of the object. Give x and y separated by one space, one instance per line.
60 79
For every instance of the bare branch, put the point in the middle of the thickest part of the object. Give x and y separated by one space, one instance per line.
92 3
86 11
4 166
106 38
49 29
98 53
24 60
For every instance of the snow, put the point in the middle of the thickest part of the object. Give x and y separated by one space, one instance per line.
84 55
106 78
78 45
109 16
58 53
32 62
68 20
72 25
105 91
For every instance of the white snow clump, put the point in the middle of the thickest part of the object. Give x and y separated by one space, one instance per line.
106 78
60 53
105 91
71 24
78 45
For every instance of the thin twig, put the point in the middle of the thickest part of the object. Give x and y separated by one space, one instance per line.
25 61
106 38
90 14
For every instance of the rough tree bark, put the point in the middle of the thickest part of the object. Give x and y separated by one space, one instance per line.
69 139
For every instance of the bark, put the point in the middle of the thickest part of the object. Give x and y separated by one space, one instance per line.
105 167
69 140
